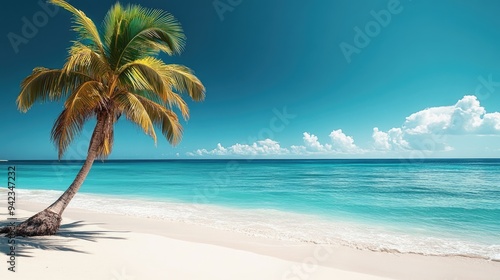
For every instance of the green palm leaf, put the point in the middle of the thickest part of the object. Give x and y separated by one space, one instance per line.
135 32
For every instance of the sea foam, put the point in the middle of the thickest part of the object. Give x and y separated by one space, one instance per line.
276 224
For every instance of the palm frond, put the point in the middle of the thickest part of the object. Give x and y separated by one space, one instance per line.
153 75
87 97
136 32
129 104
111 26
144 74
84 26
84 59
173 101
183 80
48 85
164 119
65 129
79 107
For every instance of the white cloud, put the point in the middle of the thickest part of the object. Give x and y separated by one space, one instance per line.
343 143
340 144
390 140
427 129
263 147
312 146
467 116
381 140
491 123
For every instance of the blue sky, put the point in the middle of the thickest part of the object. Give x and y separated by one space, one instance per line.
285 79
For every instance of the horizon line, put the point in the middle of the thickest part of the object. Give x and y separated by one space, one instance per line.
251 159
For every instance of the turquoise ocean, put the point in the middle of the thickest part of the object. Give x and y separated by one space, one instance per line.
431 207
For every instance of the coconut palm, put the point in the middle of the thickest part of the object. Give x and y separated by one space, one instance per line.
108 75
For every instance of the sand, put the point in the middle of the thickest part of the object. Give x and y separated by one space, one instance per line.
96 246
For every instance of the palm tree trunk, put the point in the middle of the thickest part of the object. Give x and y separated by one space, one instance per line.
62 202
48 221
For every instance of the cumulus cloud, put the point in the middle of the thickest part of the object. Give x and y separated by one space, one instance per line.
312 144
381 140
341 144
467 116
426 129
390 140
263 147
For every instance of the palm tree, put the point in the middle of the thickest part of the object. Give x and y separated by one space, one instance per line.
107 75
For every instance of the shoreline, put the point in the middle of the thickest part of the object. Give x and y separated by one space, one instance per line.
283 259
277 225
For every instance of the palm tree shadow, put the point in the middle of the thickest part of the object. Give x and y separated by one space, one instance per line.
62 241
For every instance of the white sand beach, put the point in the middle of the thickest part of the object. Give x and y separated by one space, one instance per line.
103 246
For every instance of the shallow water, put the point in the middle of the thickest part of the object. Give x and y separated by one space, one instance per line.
438 207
